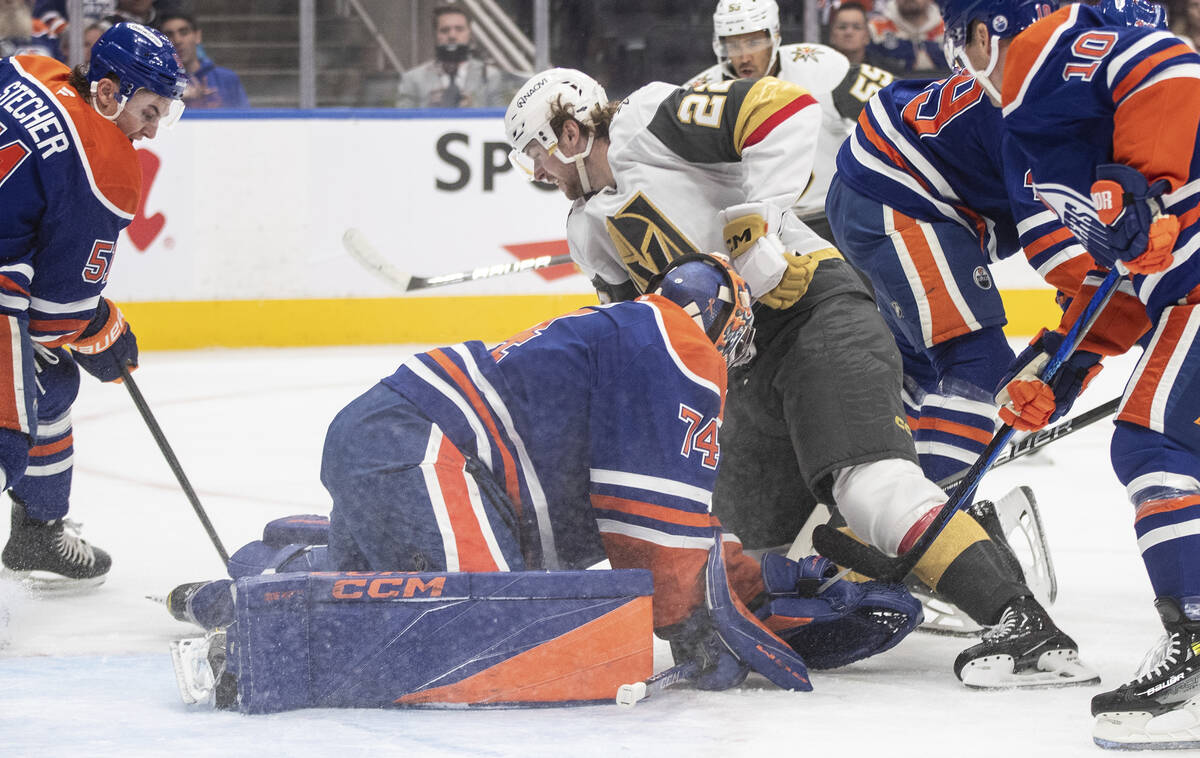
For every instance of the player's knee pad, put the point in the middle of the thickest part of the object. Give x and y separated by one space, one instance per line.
844 623
258 557
881 500
972 364
58 380
306 529
14 456
1141 456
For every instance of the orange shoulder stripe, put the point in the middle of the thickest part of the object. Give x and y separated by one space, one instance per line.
1026 48
1139 72
108 156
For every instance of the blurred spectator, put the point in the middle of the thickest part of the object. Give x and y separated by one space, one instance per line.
1186 22
53 13
909 34
849 34
455 78
141 11
209 85
21 33
91 32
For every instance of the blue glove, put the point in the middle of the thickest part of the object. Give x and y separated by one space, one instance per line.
1140 237
696 639
846 622
1027 403
106 344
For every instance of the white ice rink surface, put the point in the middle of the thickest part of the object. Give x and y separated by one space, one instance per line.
91 676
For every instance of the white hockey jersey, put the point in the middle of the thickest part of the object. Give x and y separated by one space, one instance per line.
678 157
841 89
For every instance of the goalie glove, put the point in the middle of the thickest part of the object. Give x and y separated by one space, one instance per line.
106 344
846 622
728 641
1140 236
1026 402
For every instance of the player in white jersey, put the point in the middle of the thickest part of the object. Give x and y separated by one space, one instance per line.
671 171
746 41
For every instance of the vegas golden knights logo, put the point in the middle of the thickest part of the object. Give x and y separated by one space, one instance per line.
645 239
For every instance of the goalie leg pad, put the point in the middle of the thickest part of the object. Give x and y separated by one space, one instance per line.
388 639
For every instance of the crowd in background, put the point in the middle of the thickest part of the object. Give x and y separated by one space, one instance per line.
607 38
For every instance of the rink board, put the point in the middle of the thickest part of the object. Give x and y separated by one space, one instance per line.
237 242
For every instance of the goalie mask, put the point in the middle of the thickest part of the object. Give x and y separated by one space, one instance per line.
734 17
1003 18
141 58
529 114
717 299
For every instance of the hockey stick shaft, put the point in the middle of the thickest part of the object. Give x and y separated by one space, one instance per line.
1039 439
867 560
156 431
370 258
628 695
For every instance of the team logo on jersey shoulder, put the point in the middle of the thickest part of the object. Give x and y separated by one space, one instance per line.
983 280
645 239
806 53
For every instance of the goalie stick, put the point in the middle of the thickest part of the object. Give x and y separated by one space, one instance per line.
1035 441
172 461
867 560
370 258
628 695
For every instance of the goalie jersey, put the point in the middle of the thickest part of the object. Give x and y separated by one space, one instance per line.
678 157
69 183
1079 93
938 151
840 88
601 426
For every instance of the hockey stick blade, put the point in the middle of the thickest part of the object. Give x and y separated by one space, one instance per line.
1035 441
628 695
844 550
370 258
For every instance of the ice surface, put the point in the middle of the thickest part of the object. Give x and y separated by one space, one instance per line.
92 676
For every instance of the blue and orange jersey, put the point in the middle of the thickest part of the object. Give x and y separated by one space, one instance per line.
1079 93
914 46
69 183
937 150
602 426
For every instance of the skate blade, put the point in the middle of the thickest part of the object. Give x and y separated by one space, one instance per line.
1178 729
1055 668
943 617
49 584
193 674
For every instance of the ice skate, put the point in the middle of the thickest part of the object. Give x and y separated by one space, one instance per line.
200 671
1160 709
50 556
208 605
1025 649
1015 525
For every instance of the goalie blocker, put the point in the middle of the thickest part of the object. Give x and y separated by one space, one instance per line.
392 639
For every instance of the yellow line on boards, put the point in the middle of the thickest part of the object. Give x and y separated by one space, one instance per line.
170 325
